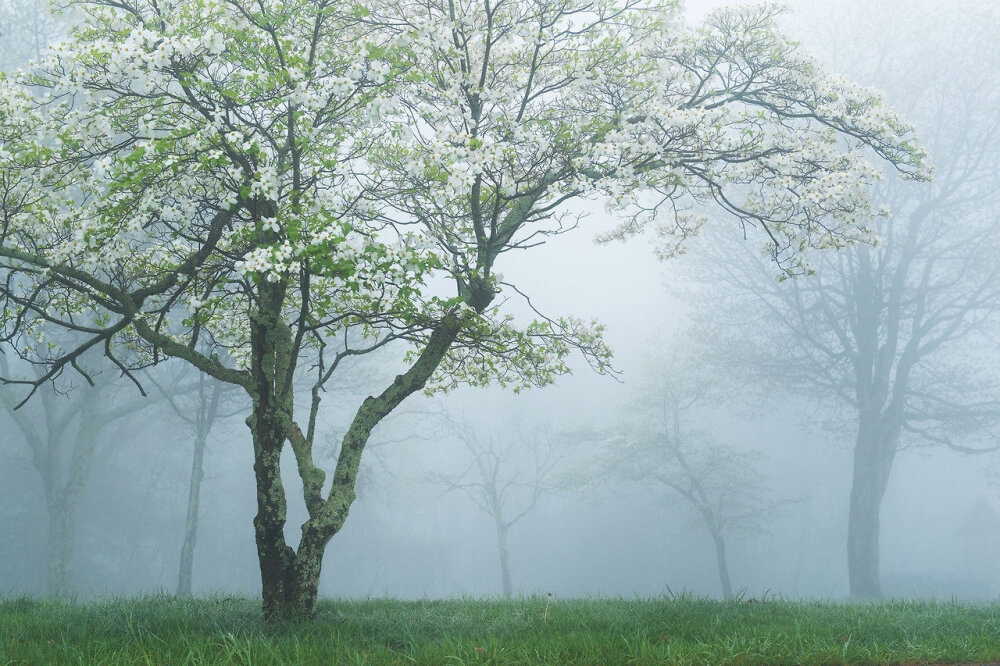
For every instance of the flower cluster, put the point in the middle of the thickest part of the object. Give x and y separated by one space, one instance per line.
197 150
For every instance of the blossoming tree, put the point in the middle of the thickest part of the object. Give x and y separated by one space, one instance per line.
274 178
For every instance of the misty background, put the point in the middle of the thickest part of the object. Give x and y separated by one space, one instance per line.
575 508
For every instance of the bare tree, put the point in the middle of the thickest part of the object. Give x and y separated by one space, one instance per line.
897 333
63 438
200 410
656 446
504 476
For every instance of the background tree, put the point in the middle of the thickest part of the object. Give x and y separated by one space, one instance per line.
64 437
264 178
897 333
209 402
27 27
656 445
504 475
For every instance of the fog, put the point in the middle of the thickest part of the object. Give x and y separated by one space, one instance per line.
756 367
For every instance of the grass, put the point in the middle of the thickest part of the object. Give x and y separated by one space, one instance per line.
678 630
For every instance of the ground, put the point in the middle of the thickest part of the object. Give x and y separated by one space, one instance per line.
677 630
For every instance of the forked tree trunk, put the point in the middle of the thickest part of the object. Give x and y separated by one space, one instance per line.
290 579
327 516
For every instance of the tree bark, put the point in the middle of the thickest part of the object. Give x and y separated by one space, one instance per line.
308 567
508 588
270 342
275 557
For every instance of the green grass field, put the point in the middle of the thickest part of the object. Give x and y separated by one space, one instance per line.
164 630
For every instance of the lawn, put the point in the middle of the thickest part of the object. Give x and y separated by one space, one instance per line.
684 630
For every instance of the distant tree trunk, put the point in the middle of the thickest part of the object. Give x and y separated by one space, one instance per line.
63 505
191 521
700 499
207 414
508 588
873 457
720 558
61 542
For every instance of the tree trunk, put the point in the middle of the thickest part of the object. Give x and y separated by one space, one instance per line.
275 557
327 516
290 579
191 521
63 506
720 558
308 566
208 411
270 345
508 589
872 461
